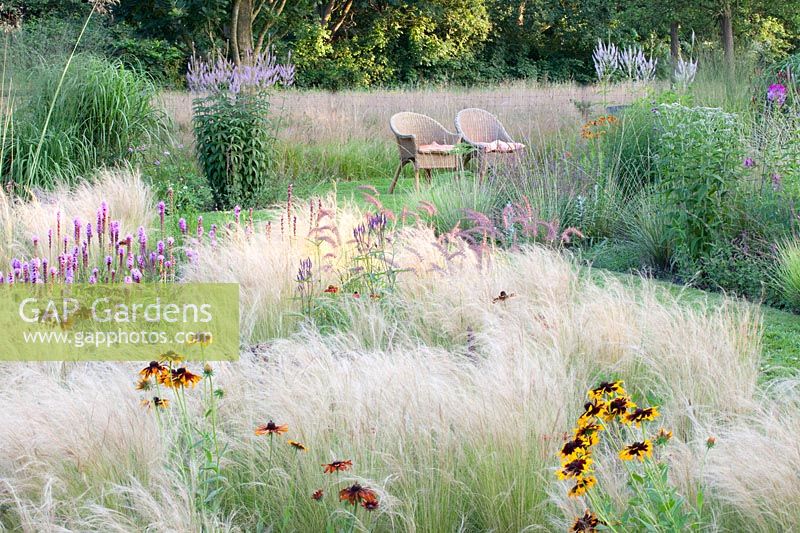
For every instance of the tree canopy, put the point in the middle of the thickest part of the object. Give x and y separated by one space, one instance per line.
347 43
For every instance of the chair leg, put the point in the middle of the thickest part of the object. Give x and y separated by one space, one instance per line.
416 178
396 177
429 175
482 164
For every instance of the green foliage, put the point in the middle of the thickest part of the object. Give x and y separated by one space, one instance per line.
102 111
174 167
699 157
235 143
787 272
454 198
647 231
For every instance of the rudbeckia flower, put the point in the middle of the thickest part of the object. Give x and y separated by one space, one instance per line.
153 370
355 494
607 388
596 408
639 415
160 403
179 377
297 445
637 450
582 484
663 436
618 407
337 466
577 445
575 468
586 524
271 428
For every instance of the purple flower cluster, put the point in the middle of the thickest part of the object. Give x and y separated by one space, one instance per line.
93 253
776 94
223 75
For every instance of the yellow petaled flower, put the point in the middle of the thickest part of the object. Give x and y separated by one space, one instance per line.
575 447
179 377
575 468
153 370
586 524
607 388
271 428
663 436
588 433
591 410
203 338
637 450
297 446
639 415
171 357
618 407
582 484
144 384
161 403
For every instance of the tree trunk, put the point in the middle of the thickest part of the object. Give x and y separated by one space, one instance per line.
242 31
726 30
674 43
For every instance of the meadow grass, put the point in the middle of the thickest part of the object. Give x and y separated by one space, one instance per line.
451 406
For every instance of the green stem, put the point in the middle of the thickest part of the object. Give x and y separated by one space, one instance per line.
34 163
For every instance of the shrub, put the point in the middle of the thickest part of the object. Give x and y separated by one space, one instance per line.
102 111
232 127
787 272
234 145
698 158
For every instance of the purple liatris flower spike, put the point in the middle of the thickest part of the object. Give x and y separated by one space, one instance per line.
182 225
776 94
128 280
200 227
304 273
776 181
237 211
748 162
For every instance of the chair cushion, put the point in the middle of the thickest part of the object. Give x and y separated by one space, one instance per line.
501 147
435 148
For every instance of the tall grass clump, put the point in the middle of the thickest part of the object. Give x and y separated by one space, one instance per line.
787 272
101 112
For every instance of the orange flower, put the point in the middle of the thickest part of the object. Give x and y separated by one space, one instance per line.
271 428
356 494
337 466
332 289
370 505
297 445
161 403
153 370
318 494
179 377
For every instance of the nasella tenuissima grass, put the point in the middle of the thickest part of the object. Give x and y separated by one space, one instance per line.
22 218
451 406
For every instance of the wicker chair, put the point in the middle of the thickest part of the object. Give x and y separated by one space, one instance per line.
490 140
423 142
